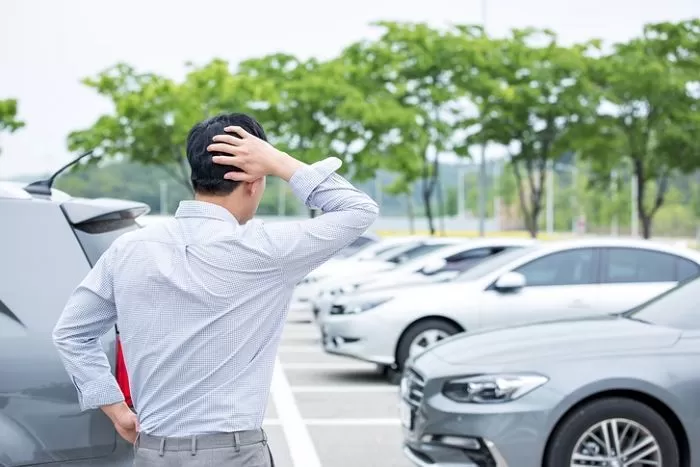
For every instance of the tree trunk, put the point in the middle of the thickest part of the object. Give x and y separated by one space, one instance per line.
647 215
645 222
429 184
427 196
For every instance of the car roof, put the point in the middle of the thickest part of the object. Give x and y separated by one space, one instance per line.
16 190
473 244
621 242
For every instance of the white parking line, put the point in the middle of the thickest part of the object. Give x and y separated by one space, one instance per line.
329 366
301 448
340 422
342 389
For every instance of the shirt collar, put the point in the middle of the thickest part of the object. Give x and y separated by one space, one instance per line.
193 208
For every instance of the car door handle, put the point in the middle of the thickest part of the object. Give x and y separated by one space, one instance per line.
578 303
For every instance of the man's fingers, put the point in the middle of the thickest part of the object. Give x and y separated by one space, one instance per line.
239 177
228 139
228 160
238 130
226 149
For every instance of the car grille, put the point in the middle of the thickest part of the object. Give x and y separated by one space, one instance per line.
414 387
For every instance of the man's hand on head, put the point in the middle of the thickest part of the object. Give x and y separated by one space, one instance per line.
255 157
125 421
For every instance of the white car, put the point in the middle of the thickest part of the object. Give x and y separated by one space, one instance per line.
397 252
542 282
440 265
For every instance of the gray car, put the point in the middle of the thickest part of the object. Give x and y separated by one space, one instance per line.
615 391
48 243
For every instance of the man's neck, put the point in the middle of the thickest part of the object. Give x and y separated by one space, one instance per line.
226 202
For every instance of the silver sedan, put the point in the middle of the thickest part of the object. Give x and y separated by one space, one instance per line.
614 391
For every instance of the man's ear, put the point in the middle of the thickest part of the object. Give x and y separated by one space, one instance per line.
254 187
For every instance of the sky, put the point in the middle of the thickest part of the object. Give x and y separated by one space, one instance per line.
47 46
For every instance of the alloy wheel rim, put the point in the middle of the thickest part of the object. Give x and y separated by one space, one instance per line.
426 339
617 442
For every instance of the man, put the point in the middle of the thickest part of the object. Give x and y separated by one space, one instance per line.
200 301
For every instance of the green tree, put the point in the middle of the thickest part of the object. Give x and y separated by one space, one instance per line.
306 106
412 109
8 116
153 114
650 119
543 92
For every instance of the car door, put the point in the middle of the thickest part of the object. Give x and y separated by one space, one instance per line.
558 285
631 276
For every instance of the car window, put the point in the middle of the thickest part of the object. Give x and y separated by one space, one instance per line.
496 262
572 267
635 265
678 308
467 259
355 247
686 269
415 252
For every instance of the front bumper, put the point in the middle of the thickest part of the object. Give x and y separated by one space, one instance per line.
361 336
439 432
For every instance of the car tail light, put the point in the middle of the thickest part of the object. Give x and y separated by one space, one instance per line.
122 375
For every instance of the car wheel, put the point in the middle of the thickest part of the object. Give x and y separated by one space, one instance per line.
613 432
421 335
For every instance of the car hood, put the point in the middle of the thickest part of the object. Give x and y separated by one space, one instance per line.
341 268
555 340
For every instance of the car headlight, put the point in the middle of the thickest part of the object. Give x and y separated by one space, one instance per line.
489 389
360 307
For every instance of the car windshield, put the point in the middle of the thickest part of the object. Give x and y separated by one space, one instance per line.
494 263
676 308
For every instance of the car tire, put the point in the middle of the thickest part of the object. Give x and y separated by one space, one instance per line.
567 435
415 330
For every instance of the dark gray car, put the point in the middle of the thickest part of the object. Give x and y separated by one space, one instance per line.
617 391
47 246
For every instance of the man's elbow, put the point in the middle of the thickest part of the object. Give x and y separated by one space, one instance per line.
60 336
370 213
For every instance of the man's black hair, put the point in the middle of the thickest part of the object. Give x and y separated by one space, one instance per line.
208 178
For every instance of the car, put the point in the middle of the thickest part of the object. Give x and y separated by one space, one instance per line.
48 243
399 252
616 391
440 265
545 281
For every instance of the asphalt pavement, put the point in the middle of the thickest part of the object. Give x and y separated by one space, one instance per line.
329 411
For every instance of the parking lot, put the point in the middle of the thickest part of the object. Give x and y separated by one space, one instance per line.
329 411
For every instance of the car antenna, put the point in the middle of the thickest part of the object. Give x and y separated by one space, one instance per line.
43 187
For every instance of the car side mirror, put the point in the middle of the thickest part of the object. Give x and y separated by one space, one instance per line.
434 266
510 281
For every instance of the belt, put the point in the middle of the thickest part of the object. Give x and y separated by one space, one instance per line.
197 442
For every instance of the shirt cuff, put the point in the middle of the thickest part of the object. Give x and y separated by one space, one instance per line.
100 392
307 179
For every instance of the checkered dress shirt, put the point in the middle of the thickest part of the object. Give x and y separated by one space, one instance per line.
200 302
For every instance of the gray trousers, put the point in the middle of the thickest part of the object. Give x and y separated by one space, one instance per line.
240 449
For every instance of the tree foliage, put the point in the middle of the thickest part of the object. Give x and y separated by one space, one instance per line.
9 121
415 95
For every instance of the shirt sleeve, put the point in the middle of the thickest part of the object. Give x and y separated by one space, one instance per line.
88 315
347 214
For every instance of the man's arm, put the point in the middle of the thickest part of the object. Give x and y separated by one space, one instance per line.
348 213
89 314
300 246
